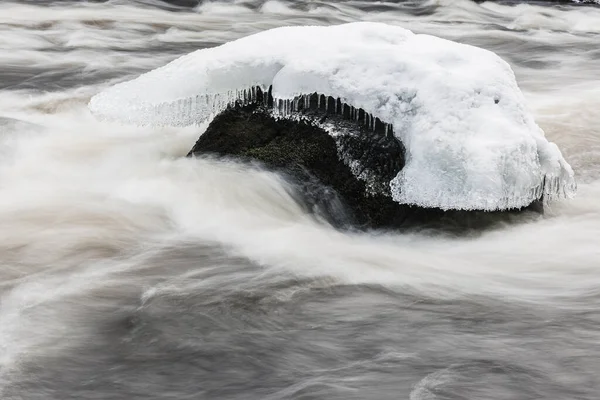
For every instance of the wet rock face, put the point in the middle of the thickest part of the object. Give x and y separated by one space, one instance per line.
341 174
308 156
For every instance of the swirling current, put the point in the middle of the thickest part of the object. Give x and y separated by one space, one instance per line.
128 271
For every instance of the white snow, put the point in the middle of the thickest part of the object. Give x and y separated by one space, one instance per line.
471 142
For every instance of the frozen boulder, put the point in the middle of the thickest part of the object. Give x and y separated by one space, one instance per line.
470 142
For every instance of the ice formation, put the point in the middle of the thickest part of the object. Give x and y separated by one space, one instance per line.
470 141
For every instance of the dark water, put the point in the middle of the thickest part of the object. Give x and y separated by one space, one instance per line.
128 271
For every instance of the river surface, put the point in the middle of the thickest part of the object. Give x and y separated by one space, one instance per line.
128 271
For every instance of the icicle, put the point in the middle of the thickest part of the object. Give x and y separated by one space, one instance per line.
195 113
171 110
182 110
188 111
178 113
156 112
168 111
532 193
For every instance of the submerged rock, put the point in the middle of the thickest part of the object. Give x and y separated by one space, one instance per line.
341 176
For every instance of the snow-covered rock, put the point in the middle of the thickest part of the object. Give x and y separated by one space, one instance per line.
470 141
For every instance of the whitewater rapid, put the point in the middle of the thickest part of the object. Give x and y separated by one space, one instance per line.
130 271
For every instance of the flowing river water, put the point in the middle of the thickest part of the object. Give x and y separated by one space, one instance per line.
128 271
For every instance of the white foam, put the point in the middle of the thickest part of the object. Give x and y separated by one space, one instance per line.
471 142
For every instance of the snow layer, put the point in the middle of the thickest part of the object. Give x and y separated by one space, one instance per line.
470 141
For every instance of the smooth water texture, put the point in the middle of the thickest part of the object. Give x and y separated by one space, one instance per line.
128 271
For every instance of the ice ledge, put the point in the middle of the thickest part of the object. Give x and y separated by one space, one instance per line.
551 188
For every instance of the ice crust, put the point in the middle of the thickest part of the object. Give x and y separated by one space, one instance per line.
470 141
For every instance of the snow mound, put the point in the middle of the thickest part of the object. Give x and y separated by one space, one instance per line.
470 142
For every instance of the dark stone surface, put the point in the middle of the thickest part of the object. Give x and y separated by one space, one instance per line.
308 157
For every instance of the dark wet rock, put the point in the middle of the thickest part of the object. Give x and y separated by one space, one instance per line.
307 155
317 165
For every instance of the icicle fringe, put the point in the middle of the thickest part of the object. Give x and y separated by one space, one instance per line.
202 108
